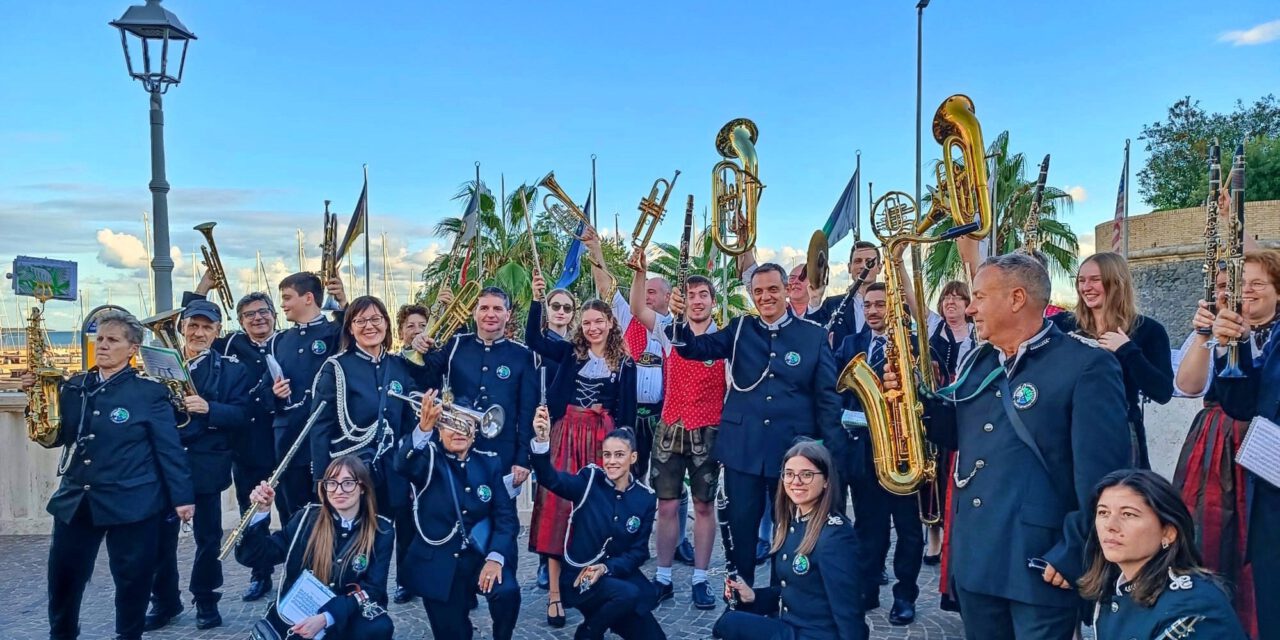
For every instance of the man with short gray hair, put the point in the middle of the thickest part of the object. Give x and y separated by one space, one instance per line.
1037 417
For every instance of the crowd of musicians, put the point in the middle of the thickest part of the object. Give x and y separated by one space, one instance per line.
620 419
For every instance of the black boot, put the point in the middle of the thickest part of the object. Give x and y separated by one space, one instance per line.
258 587
207 616
158 617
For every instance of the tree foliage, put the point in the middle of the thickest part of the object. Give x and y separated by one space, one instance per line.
1176 173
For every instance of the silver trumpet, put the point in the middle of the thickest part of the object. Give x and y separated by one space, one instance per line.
455 418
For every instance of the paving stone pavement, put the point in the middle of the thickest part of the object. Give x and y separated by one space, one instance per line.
23 613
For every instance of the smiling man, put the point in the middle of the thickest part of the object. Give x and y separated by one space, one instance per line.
782 380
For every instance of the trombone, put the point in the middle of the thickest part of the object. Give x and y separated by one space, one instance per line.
214 264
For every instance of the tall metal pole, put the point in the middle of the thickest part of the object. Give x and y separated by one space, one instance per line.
919 85
161 262
368 283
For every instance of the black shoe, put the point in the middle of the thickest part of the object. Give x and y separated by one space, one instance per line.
903 612
544 577
401 595
159 618
207 616
884 578
702 598
933 561
870 601
556 621
665 591
684 552
257 588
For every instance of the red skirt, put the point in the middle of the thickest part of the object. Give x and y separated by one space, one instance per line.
577 440
1213 488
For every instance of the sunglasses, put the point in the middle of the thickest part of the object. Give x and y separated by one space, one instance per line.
561 306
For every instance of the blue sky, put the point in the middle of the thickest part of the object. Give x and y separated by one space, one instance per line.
284 101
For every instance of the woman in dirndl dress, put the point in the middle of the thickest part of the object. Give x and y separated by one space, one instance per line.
1211 483
593 392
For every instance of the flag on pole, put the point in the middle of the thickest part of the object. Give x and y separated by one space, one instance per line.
573 257
845 215
1122 206
470 226
359 220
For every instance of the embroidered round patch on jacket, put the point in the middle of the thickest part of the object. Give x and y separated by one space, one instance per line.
1025 395
504 372
397 387
318 347
792 358
119 415
485 493
800 565
633 524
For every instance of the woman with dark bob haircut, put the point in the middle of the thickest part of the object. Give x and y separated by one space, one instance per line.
1145 572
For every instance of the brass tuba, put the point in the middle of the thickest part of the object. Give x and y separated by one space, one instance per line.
214 264
561 207
736 187
44 419
962 193
652 209
164 326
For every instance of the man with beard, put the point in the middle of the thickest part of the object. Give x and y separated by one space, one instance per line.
782 386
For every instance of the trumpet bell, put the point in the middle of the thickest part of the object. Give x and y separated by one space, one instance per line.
492 421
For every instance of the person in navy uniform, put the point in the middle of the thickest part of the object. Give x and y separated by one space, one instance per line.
485 368
814 569
875 508
1255 395
253 455
782 385
1032 443
126 425
607 537
411 320
845 314
1144 569
300 351
359 416
342 541
217 411
464 526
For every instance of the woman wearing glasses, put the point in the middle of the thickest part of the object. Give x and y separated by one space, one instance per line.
593 393
815 576
358 416
342 542
606 536
1106 314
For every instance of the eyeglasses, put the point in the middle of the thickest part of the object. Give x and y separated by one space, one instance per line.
805 477
375 321
951 297
347 486
1255 285
561 306
257 313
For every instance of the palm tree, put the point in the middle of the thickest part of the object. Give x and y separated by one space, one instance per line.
704 260
1010 211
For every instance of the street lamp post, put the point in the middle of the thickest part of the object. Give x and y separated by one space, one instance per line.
152 28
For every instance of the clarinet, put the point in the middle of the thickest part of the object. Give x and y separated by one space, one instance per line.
1211 240
1031 231
853 289
726 535
1235 259
682 274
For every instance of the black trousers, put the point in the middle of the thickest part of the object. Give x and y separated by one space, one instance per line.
246 477
206 569
741 625
875 511
356 628
405 531
131 552
1264 554
612 604
451 618
993 618
746 493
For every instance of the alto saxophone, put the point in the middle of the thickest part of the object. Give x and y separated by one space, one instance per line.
44 419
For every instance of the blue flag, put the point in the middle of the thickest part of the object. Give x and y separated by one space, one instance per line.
845 215
573 257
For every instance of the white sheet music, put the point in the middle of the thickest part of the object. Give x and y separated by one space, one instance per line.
304 599
1260 451
163 363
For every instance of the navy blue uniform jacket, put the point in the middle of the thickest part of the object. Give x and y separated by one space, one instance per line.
796 394
301 351
224 384
1120 618
125 457
1070 396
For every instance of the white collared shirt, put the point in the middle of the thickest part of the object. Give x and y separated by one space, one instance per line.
648 378
1022 348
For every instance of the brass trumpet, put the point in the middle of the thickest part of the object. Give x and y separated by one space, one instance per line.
567 214
214 264
652 209
487 423
329 255
736 187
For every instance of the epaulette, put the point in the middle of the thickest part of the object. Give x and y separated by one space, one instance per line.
1085 340
834 520
804 319
517 343
642 485
232 358
1180 582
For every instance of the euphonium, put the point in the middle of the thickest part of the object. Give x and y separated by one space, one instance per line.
736 187
329 255
164 326
214 264
651 210
902 458
567 214
44 419
962 192
445 321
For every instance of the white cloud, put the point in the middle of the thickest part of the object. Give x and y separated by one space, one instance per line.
1258 34
1087 244
1078 194
126 251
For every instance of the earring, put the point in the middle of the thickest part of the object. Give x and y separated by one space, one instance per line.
1164 544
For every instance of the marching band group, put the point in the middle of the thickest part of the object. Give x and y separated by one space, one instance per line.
621 411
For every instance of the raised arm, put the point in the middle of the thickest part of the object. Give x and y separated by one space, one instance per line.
554 350
639 310
708 346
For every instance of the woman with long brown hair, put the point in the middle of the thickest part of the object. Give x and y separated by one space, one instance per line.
1106 313
1144 570
815 576
342 542
593 393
